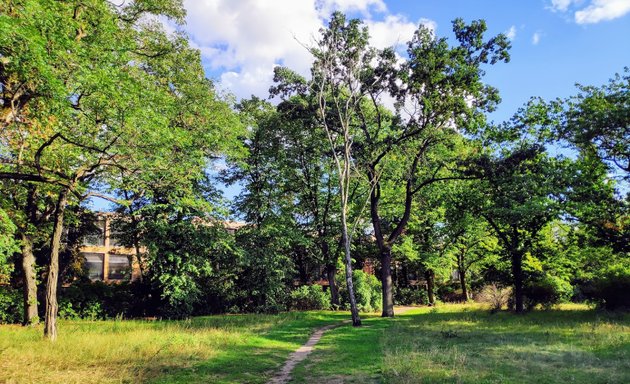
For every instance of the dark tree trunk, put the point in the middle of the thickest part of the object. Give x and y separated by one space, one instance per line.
430 276
462 281
331 272
517 275
386 283
462 275
30 282
50 330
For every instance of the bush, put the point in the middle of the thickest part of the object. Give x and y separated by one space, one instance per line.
411 296
367 291
98 300
11 305
309 298
611 289
451 293
546 291
495 296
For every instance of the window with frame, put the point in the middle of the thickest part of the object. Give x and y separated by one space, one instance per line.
97 236
94 265
119 267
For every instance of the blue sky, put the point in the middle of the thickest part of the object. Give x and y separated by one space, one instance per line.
555 43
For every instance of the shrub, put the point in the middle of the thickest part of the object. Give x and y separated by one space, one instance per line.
367 291
11 305
611 289
451 293
495 296
310 297
411 296
546 291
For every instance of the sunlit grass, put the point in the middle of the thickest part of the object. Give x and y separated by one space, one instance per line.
215 349
467 344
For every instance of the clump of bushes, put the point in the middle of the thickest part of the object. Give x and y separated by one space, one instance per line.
367 290
610 289
411 296
310 297
546 291
11 305
495 296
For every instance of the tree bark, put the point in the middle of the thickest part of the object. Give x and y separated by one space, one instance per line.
430 276
356 320
517 275
462 275
30 282
50 329
386 283
331 271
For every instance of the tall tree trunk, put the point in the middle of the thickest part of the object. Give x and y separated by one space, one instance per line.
462 281
30 281
386 283
462 275
50 330
331 271
430 276
356 320
517 275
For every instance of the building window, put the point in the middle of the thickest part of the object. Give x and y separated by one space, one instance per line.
119 267
97 235
94 265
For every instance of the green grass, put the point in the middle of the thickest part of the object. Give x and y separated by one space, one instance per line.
447 344
466 344
214 349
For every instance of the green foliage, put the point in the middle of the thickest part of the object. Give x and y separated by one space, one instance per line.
367 289
547 291
610 288
309 298
98 300
411 296
267 269
181 255
11 305
8 246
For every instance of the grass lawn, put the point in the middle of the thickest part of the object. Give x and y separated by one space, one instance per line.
466 344
447 344
214 349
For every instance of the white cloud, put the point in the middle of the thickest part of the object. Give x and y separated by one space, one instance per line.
242 40
511 33
394 30
560 5
592 11
602 10
536 38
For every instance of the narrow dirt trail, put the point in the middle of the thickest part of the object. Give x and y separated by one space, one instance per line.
284 375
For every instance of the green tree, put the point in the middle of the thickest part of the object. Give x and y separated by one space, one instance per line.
95 93
523 189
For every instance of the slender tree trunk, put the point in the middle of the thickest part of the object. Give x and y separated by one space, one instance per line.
517 275
331 271
462 275
430 276
30 281
386 283
356 320
50 330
